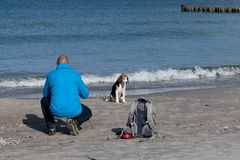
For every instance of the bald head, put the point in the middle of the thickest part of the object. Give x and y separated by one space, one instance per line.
62 59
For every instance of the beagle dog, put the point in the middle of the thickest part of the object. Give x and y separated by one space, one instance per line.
119 89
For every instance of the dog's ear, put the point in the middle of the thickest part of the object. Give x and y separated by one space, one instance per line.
120 78
127 79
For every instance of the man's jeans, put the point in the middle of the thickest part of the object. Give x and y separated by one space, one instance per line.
49 118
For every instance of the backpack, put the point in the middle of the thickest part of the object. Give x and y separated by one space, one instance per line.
141 120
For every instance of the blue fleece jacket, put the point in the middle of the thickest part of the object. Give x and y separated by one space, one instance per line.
64 86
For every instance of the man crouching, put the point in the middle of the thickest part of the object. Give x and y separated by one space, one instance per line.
61 93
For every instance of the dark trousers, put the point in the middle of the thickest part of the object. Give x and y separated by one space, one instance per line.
49 117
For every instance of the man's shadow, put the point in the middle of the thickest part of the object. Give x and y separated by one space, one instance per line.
38 123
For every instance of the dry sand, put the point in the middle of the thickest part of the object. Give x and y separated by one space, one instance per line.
197 124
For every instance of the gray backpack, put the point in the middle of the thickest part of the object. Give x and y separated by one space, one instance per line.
141 119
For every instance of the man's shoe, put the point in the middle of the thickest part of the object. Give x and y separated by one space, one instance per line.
72 127
78 125
51 130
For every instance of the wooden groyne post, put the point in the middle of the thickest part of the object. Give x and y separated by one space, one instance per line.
185 8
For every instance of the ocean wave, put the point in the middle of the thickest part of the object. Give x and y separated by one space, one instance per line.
28 82
140 76
168 74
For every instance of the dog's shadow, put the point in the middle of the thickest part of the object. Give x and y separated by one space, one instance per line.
38 123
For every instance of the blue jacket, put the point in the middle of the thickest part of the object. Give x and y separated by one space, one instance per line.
64 86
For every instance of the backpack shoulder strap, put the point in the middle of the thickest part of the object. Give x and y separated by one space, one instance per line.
151 117
149 111
131 113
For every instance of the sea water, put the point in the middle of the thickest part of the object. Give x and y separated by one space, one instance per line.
158 46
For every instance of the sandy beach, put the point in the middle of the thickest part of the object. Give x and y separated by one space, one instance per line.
196 124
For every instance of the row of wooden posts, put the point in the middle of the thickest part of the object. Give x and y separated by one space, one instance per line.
185 8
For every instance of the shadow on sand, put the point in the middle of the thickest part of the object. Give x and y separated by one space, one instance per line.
38 123
117 131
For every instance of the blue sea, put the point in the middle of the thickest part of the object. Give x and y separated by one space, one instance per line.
160 48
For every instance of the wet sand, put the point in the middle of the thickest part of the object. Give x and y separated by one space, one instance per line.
196 125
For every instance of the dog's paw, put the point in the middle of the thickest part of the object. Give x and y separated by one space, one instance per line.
106 99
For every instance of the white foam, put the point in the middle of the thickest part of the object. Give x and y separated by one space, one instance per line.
88 78
168 74
140 76
30 82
